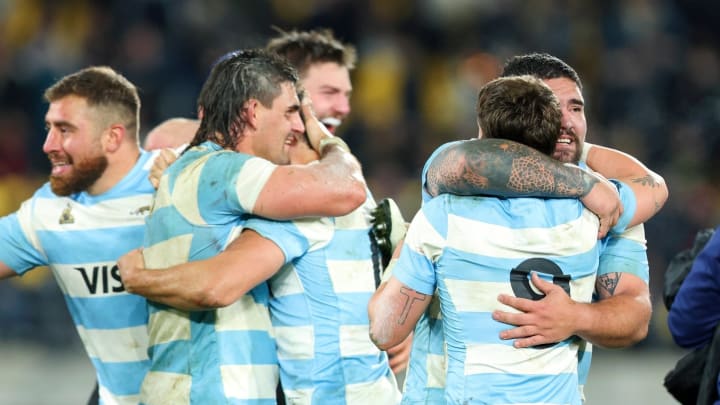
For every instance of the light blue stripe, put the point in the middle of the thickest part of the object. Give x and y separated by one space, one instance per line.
348 303
350 244
70 247
110 312
17 252
126 376
624 256
247 347
289 310
508 388
174 355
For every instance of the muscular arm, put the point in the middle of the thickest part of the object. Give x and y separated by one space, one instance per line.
650 189
394 310
619 319
334 186
204 284
504 168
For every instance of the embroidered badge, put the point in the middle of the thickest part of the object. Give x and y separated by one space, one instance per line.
66 217
144 210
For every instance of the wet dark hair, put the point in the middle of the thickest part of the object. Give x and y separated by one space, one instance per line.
305 48
541 65
237 78
521 109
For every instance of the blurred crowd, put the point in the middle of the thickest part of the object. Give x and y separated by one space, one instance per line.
650 70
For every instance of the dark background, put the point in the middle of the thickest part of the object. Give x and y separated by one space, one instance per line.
650 68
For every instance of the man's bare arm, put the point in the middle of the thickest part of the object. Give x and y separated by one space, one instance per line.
394 310
649 187
503 168
204 284
6 271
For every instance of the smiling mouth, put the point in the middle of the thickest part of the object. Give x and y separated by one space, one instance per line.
331 123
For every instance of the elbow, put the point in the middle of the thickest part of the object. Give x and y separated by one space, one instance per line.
214 296
350 199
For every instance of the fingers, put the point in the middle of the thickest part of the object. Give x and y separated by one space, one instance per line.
315 129
161 163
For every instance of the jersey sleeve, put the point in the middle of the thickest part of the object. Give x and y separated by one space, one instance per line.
20 247
625 253
424 243
294 238
629 203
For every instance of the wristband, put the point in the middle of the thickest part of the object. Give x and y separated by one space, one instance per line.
332 140
586 150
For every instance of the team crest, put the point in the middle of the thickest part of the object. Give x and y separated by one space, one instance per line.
66 217
144 210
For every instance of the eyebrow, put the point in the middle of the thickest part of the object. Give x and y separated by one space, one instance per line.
60 123
577 101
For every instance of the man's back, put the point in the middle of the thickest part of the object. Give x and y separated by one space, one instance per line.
218 355
473 249
318 308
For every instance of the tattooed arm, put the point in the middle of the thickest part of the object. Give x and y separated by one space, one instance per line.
394 310
649 187
503 168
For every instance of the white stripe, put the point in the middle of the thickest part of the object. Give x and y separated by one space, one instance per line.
286 282
26 218
436 366
636 233
116 345
355 341
295 342
72 283
317 231
380 392
351 275
118 212
185 191
107 397
504 359
243 314
253 176
169 252
168 325
249 381
299 396
575 237
358 219
162 194
423 238
162 388
481 296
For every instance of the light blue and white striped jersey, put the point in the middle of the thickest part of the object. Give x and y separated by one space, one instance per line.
318 307
472 249
80 238
221 356
624 252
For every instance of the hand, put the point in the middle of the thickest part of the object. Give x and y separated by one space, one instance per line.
301 153
315 129
400 354
548 320
604 201
130 265
166 157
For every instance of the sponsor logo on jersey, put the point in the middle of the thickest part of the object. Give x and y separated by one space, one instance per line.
102 279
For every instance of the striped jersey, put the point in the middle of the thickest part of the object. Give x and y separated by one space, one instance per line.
318 307
472 249
219 356
80 238
619 252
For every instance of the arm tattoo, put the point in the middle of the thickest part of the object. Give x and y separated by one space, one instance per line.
410 297
607 283
646 181
503 168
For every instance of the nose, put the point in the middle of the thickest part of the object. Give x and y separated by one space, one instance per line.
567 123
297 125
52 142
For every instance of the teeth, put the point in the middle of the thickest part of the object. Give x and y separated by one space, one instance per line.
567 141
331 121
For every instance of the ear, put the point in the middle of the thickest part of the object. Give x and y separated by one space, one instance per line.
114 137
251 112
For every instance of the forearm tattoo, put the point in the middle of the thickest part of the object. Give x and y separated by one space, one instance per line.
411 296
607 283
649 181
503 168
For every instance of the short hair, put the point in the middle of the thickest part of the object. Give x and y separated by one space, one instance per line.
521 109
305 48
541 65
103 87
235 80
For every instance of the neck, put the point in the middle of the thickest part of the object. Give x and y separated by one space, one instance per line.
119 165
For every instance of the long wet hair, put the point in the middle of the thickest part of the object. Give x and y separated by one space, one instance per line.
237 78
